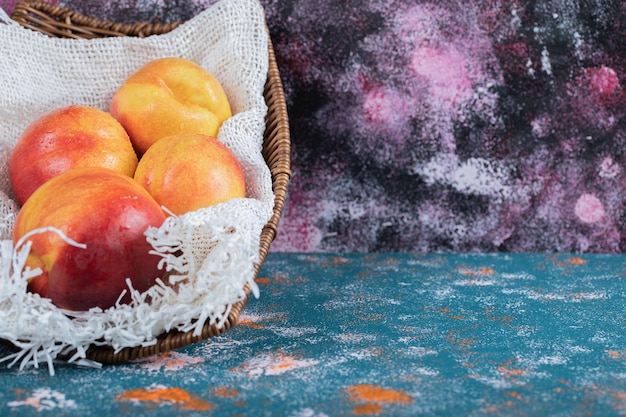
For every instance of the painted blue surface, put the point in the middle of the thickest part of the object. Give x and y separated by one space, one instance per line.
386 334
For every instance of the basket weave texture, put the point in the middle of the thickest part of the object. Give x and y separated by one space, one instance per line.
64 22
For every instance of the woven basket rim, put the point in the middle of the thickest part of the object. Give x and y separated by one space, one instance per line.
61 21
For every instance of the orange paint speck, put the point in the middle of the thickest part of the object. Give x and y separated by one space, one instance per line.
170 361
508 372
376 394
275 363
33 402
250 323
374 350
574 260
176 364
365 409
616 355
621 395
165 396
340 261
226 392
577 261
511 372
263 280
281 365
478 272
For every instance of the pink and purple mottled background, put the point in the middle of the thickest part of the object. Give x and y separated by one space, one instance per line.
468 126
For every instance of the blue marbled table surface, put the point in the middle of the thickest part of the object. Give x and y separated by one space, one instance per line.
380 334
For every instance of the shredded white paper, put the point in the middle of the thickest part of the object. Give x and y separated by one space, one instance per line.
219 245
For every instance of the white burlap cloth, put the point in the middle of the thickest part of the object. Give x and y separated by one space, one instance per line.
219 245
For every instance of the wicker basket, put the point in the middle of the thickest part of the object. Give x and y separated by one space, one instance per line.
64 22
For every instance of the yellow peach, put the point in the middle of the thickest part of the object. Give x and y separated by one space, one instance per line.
188 172
169 96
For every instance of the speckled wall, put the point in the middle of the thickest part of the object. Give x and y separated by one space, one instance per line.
445 125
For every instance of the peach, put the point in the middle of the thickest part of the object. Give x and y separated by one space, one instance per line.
168 96
70 137
104 210
188 172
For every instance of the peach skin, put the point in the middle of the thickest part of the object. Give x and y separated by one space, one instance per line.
66 138
188 172
169 96
107 212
